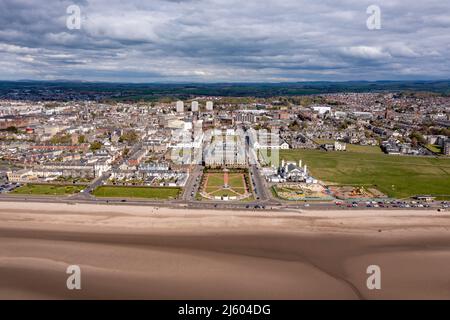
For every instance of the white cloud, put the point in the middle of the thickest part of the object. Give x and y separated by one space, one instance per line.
366 52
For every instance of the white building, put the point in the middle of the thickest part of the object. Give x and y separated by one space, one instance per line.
321 109
209 106
266 140
180 106
225 151
447 147
194 106
289 171
340 146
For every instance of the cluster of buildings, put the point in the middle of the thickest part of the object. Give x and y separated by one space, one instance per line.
159 143
394 121
396 147
440 141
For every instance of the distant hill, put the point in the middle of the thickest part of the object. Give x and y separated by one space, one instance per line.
78 90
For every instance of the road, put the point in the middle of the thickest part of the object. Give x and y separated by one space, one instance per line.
258 184
202 205
193 183
87 192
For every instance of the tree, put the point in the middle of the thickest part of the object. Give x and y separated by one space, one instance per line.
129 136
81 139
294 126
12 129
96 145
61 139
417 137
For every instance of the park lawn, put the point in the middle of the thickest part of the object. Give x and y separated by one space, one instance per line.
215 179
363 149
396 176
213 188
137 192
228 192
236 180
239 190
223 193
48 189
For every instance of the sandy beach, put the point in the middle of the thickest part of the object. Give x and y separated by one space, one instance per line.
128 252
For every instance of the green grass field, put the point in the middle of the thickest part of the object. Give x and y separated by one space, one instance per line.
396 176
215 179
137 192
215 184
363 149
48 189
236 180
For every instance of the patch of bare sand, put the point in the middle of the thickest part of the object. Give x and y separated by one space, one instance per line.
161 253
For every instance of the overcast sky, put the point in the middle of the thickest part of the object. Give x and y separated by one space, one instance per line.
224 40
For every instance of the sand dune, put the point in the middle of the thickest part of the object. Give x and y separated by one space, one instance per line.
150 253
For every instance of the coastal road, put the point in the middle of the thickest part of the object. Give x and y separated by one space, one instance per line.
193 183
181 204
258 184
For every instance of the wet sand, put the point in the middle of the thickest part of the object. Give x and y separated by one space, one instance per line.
128 252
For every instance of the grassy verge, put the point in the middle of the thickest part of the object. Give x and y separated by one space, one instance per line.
48 189
363 149
164 193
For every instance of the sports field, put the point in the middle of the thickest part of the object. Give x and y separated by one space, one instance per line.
48 189
396 176
137 192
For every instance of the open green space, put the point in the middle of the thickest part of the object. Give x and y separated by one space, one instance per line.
236 180
223 193
396 176
137 192
48 189
363 149
214 184
215 179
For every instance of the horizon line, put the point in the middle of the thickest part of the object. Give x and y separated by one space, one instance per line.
225 82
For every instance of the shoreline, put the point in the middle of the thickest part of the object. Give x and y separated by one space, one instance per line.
128 252
175 217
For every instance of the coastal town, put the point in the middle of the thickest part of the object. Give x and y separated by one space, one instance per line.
243 152
224 159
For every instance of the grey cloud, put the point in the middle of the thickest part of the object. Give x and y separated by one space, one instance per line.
224 40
